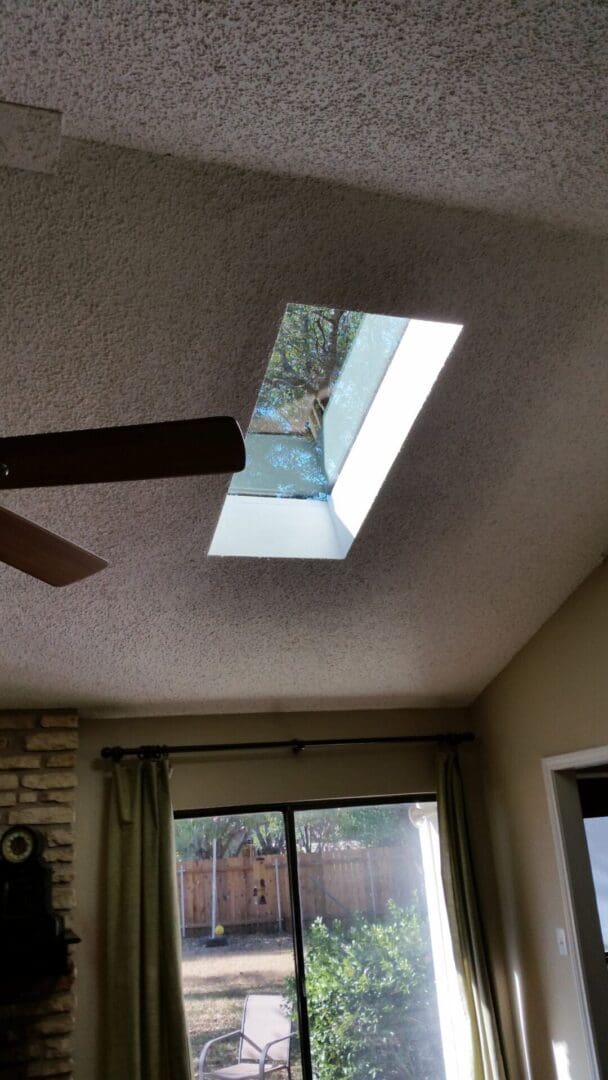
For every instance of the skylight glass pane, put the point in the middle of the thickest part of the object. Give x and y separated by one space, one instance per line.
324 371
309 352
364 368
341 391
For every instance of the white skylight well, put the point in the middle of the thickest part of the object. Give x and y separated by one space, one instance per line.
341 392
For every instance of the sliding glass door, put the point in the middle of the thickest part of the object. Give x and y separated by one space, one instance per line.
321 930
370 979
237 941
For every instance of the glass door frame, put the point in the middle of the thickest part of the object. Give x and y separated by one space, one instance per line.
288 811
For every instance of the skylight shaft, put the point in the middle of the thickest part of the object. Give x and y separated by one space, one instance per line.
420 356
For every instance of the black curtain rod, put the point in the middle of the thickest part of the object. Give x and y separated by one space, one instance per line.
116 753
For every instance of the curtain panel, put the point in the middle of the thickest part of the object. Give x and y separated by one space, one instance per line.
465 922
145 1027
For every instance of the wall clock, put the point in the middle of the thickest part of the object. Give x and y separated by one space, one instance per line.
19 844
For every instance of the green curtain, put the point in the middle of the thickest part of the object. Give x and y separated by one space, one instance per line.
465 921
145 1027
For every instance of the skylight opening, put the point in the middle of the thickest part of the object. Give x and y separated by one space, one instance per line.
341 392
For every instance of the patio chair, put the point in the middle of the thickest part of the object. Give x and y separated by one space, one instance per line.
264 1041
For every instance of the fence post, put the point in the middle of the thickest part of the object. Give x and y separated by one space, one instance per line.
182 901
214 889
278 888
372 887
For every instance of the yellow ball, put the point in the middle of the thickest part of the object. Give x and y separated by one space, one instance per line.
219 930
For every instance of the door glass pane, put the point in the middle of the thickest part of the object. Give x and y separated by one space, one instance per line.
380 1001
237 946
593 793
596 830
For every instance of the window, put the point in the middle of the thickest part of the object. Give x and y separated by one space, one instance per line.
341 392
324 923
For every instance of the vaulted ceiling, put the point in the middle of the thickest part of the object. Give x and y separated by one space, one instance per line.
136 286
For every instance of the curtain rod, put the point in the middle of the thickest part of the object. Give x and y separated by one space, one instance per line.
116 753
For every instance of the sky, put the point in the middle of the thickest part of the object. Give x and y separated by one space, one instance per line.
597 839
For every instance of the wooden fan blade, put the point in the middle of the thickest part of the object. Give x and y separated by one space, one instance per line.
43 554
138 452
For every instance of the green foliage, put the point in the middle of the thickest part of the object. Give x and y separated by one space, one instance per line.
373 826
194 836
371 1000
311 347
316 830
353 826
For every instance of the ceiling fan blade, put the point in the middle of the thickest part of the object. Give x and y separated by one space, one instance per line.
137 452
43 554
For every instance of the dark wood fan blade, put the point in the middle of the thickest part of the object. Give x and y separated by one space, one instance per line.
138 452
43 554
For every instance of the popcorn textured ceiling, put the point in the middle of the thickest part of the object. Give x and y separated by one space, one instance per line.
499 106
136 287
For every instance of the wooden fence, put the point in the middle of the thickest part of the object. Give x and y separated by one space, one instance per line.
253 891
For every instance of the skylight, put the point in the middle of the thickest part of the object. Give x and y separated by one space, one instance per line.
340 394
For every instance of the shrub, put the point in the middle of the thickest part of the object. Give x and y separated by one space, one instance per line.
371 1000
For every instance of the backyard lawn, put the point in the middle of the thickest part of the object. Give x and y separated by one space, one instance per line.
217 980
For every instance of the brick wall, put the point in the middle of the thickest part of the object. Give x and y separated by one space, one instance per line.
37 788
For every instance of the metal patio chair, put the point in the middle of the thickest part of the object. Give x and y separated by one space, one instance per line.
264 1038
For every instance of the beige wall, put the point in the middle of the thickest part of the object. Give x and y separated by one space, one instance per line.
229 780
551 699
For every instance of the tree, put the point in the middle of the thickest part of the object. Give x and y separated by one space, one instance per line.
316 830
384 825
311 347
353 826
194 836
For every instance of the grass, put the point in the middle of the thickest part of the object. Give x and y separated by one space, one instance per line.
216 982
